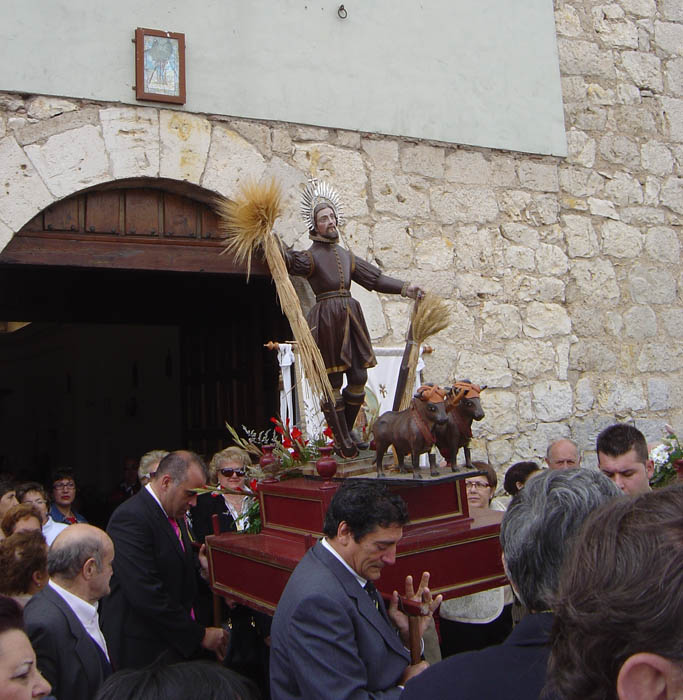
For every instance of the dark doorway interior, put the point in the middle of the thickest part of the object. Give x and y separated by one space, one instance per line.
115 363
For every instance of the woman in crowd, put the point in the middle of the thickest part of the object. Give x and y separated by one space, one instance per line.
229 469
63 496
148 465
23 565
32 492
481 619
21 518
19 675
517 474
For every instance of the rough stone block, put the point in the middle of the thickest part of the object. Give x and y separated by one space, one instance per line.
520 258
500 321
545 320
484 368
574 88
434 254
652 285
658 394
71 161
589 117
640 8
39 131
469 168
599 95
581 148
350 139
503 172
498 452
651 192
257 134
673 73
423 160
292 182
579 182
513 203
232 161
474 287
500 407
463 204
538 176
131 136
43 107
620 240
671 10
673 118
645 69
551 260
530 358
662 244
357 238
184 145
567 21
23 193
669 37
281 141
521 233
550 289
341 167
656 158
476 249
393 246
640 322
642 216
602 207
584 58
615 31
591 356
583 395
552 400
593 281
672 320
634 121
544 210
656 357
671 194
619 149
372 311
404 196
623 189
311 133
582 241
621 397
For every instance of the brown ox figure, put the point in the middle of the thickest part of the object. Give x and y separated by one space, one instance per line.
410 431
462 406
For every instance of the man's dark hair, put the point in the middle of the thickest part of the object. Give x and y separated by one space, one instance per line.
67 557
518 472
621 593
6 485
27 486
538 526
619 439
21 555
176 464
364 505
11 615
199 679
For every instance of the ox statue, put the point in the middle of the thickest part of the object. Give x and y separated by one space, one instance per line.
410 431
463 405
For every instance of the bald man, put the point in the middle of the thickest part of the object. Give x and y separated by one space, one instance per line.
563 454
62 621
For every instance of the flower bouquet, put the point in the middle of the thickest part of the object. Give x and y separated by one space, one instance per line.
665 456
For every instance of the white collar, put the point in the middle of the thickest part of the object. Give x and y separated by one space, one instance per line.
156 498
361 581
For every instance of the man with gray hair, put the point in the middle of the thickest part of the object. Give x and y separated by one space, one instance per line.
563 454
536 533
61 620
149 615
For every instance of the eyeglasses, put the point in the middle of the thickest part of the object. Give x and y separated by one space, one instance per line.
477 485
64 485
229 472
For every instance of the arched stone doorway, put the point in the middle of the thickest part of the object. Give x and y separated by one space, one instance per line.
142 336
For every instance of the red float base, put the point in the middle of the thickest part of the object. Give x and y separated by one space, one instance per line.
459 549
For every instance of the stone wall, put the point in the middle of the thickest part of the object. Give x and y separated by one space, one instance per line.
563 275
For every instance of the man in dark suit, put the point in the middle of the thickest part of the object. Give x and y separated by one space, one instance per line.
149 614
62 621
332 636
536 533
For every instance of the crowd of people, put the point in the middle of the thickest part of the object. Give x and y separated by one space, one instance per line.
594 606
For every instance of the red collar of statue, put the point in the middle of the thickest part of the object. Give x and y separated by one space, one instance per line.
426 432
463 426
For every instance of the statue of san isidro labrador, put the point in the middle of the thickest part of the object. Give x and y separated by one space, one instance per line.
336 321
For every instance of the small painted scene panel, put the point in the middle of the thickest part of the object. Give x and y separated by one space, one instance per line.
162 65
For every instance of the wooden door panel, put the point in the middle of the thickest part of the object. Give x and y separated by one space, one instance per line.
180 217
142 212
62 216
103 212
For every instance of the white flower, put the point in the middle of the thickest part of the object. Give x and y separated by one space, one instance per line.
660 455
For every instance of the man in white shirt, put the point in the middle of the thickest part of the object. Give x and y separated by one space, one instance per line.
62 620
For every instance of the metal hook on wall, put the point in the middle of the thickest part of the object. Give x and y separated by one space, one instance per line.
341 12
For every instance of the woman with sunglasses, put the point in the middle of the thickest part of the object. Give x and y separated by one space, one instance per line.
228 469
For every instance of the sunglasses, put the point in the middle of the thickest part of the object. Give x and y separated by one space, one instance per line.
229 472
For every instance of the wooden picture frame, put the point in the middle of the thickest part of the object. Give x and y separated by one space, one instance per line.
159 66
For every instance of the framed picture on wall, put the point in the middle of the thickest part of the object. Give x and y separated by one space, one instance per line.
159 66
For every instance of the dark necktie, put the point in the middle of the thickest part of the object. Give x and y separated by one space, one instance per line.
373 593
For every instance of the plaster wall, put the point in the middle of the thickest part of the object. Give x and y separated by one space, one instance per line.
483 73
563 275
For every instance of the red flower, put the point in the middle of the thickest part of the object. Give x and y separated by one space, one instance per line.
296 433
274 420
279 430
295 455
286 442
253 485
328 433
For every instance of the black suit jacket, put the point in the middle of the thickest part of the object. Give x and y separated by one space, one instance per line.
209 504
328 641
153 588
514 670
67 655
